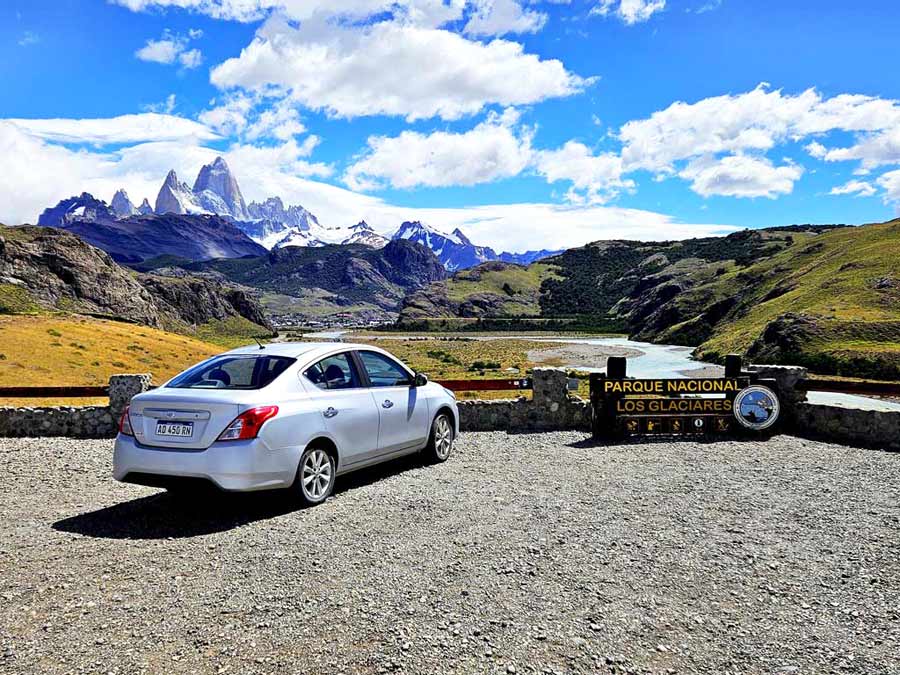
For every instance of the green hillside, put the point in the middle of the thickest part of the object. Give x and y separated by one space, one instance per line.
823 296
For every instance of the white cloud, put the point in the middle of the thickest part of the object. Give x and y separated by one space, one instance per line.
872 150
230 116
595 178
191 58
172 47
159 51
495 149
498 17
854 187
756 122
629 11
392 68
740 176
890 182
147 126
816 150
254 117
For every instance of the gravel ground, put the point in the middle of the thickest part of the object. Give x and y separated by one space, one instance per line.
526 554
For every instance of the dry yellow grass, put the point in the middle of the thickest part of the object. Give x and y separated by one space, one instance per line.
46 350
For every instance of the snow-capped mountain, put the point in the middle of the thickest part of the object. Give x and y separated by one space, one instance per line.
176 197
362 233
121 205
216 190
271 223
455 250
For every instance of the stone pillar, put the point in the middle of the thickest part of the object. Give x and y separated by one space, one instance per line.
550 388
122 388
786 380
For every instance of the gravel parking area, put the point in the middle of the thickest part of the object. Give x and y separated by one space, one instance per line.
522 554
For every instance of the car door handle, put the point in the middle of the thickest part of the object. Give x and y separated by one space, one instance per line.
388 403
330 412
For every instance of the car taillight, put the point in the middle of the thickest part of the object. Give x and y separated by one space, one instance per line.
247 424
125 423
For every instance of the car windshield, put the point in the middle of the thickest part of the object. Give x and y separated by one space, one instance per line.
244 371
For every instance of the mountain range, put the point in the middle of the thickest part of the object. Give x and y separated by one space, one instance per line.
269 223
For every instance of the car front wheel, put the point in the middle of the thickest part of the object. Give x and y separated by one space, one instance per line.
440 443
315 476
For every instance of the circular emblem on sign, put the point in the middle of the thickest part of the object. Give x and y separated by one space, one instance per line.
756 407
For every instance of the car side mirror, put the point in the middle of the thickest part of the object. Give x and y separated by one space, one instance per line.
421 380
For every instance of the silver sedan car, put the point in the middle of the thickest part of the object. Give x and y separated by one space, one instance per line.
290 415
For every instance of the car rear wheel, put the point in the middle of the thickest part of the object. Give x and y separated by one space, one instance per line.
440 443
315 476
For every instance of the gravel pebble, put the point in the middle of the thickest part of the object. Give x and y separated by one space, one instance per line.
535 553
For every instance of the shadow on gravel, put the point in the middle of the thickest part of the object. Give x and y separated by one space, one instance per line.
590 442
166 515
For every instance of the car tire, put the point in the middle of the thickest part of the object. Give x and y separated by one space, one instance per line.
315 475
440 442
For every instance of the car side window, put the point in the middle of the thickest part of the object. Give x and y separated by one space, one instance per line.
384 371
333 372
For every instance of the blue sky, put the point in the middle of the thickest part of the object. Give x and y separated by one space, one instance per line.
529 123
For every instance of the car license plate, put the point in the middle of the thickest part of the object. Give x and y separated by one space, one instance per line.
180 429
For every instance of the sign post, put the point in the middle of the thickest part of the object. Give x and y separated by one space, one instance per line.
624 406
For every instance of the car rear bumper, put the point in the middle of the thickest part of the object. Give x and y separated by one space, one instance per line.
233 465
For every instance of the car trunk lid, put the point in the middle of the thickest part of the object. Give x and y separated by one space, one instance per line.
188 419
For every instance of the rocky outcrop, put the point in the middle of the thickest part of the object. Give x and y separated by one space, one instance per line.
60 271
144 209
784 339
195 300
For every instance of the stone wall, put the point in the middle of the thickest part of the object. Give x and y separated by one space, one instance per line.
92 421
550 408
865 428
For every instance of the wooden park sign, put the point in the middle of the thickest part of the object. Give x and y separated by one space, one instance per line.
632 407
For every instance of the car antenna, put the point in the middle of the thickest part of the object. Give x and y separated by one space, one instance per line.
261 345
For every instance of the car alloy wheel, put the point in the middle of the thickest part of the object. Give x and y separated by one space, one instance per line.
443 437
316 475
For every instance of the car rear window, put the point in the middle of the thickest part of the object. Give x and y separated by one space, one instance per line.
245 371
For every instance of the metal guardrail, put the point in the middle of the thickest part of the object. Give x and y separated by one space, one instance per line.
522 383
486 385
54 392
863 388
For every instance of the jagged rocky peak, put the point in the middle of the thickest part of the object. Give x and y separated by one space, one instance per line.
216 190
463 239
144 208
273 209
176 197
84 207
121 205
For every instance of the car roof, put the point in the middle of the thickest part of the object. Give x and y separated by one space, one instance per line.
298 349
